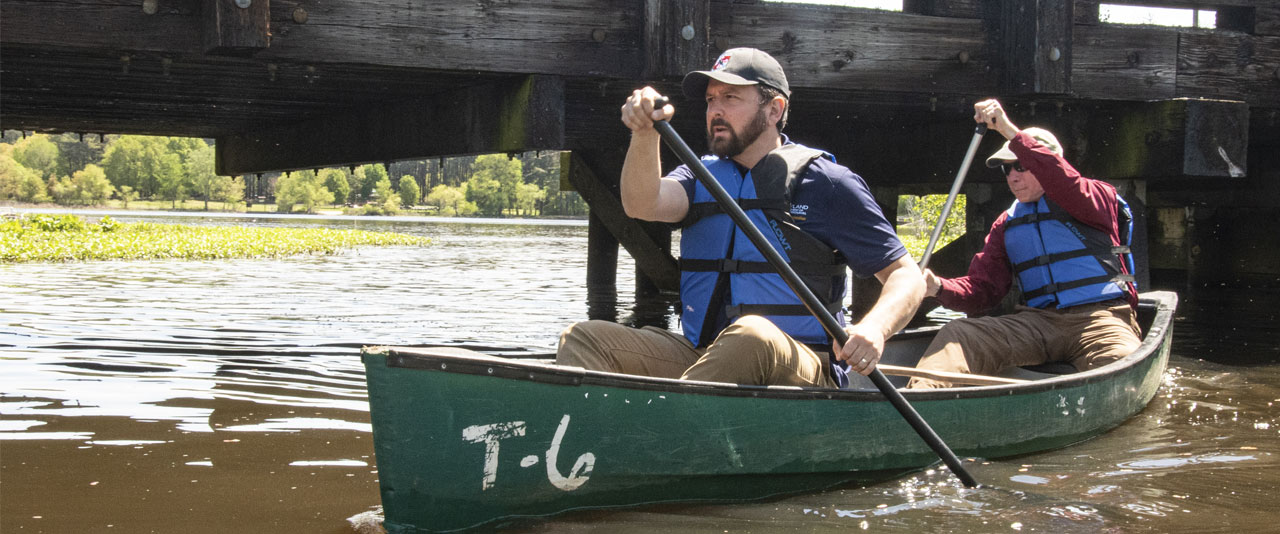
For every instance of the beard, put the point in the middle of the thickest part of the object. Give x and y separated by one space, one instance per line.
735 144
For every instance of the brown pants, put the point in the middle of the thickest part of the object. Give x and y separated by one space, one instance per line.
752 350
1085 336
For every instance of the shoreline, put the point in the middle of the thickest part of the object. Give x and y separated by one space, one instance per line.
333 215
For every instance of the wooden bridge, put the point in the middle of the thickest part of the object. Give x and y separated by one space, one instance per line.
1182 119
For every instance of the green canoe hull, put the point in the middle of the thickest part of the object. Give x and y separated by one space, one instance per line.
464 439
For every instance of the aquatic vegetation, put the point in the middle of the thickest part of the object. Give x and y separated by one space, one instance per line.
72 238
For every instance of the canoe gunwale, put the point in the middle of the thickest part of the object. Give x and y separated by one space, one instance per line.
1163 302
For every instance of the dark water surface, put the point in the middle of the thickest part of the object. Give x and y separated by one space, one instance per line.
228 396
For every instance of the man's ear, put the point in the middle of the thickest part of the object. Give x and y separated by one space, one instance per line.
776 108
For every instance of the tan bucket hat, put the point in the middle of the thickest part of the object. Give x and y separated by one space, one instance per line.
1040 134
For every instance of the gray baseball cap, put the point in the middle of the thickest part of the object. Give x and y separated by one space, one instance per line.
738 66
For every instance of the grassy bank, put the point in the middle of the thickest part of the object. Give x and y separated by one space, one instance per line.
72 238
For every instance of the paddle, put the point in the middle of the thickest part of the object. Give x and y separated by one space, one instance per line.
978 132
810 300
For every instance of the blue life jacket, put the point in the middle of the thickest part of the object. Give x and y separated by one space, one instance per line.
723 276
1062 262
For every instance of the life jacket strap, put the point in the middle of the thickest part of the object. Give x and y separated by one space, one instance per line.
1054 288
728 265
739 310
1046 259
1035 217
702 210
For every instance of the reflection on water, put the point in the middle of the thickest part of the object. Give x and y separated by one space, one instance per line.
216 396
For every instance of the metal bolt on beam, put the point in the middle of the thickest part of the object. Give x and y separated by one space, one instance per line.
150 6
244 4
687 32
300 16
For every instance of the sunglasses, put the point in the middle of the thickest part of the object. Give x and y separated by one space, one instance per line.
1007 168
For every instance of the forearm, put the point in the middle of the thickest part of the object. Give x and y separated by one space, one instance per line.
641 176
903 290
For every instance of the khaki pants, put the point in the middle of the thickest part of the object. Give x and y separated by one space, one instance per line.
1085 336
750 351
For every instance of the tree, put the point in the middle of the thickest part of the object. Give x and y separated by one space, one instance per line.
337 182
409 191
451 201
494 182
373 175
144 163
301 188
87 187
528 198
200 173
92 185
75 151
37 153
172 186
356 193
228 190
19 182
126 194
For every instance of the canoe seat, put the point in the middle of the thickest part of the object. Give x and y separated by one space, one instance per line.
1040 371
1052 368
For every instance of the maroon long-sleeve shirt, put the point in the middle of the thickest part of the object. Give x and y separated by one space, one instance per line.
1092 202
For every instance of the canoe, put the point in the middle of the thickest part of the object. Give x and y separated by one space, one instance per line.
467 439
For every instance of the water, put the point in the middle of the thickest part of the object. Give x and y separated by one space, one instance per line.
227 396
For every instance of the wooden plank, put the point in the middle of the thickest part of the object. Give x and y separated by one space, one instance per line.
102 24
1036 37
1196 4
1124 63
517 36
972 9
1229 65
833 46
236 27
677 37
521 115
649 255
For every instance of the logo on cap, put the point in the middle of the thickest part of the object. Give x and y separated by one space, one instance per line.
720 63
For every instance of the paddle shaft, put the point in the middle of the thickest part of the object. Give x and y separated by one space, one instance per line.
978 132
833 327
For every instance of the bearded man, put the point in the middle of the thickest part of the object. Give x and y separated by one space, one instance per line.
740 321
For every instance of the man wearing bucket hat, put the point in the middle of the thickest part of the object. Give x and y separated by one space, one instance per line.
1065 240
740 322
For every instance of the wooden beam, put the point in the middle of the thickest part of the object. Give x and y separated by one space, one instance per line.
236 27
1036 37
1171 138
607 208
516 116
677 37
